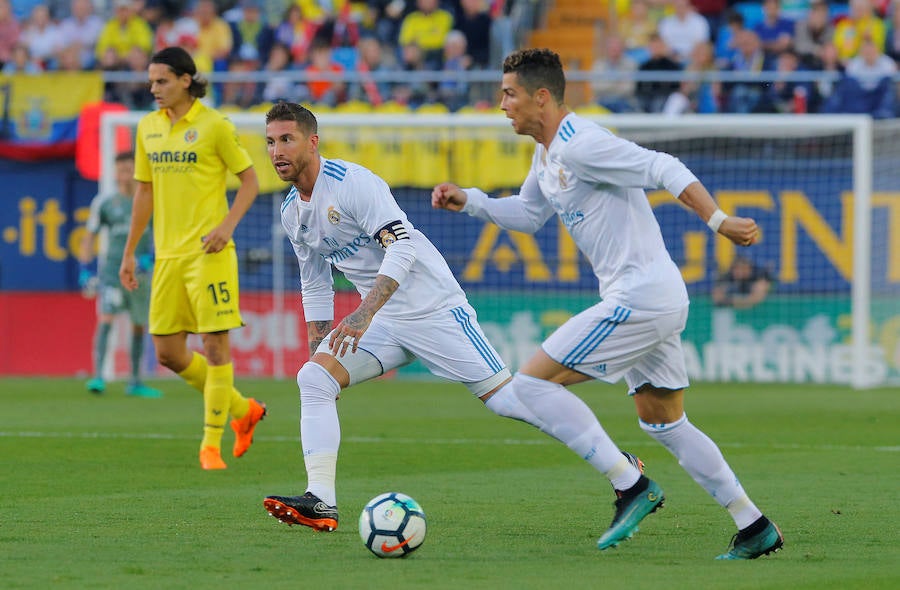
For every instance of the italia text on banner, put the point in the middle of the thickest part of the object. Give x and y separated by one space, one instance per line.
39 117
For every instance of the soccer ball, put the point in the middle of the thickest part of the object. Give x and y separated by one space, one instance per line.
392 525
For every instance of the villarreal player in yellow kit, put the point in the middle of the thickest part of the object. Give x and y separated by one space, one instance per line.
183 152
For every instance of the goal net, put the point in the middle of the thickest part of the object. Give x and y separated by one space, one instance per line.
824 189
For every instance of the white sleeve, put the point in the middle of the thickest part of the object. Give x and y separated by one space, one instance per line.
605 159
316 284
526 212
379 215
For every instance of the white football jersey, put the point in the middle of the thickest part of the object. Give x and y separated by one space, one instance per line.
594 181
350 215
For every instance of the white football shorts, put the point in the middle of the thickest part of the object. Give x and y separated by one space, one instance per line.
609 341
450 344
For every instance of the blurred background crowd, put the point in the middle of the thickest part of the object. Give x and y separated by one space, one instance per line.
650 56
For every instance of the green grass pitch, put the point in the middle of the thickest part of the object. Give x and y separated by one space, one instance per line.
106 492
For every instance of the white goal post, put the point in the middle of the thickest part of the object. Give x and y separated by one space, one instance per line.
807 179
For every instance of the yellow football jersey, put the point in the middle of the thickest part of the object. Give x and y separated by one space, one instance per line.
187 163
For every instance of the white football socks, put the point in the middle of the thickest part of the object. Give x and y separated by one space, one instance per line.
320 430
703 460
563 415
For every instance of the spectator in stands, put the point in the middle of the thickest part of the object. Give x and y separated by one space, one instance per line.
68 59
372 60
636 26
726 44
813 33
474 21
426 28
413 92
617 94
744 97
454 93
279 83
683 29
775 32
342 27
324 90
41 35
831 65
700 94
789 96
176 31
136 95
384 19
714 11
743 286
9 32
81 28
868 86
861 23
120 33
253 36
214 39
652 95
253 39
296 33
21 61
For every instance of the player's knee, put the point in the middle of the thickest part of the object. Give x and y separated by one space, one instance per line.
316 383
169 360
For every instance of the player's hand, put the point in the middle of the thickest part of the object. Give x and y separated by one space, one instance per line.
126 273
349 331
743 231
217 239
448 196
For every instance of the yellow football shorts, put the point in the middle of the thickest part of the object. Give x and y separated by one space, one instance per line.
197 294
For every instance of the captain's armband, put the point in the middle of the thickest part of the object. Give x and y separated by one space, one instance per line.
390 233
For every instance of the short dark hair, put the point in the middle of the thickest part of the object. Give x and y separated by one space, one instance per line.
538 68
291 111
181 62
126 156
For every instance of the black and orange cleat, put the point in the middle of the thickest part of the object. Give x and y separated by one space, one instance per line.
307 510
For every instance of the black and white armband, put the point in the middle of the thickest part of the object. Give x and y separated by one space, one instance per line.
400 252
390 233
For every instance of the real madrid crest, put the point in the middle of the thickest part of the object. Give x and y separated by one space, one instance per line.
562 179
386 238
333 216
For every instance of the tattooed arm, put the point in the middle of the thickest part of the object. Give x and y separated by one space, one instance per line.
356 323
316 333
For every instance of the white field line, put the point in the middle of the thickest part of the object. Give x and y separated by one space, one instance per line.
422 441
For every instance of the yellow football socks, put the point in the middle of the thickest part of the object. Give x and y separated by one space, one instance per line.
216 399
195 376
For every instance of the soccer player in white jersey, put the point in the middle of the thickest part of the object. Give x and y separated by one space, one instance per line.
595 181
340 214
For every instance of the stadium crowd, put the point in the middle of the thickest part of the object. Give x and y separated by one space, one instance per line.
657 56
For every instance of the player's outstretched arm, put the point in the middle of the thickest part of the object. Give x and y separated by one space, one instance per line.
448 196
743 231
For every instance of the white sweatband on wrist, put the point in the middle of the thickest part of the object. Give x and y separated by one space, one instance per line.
716 219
